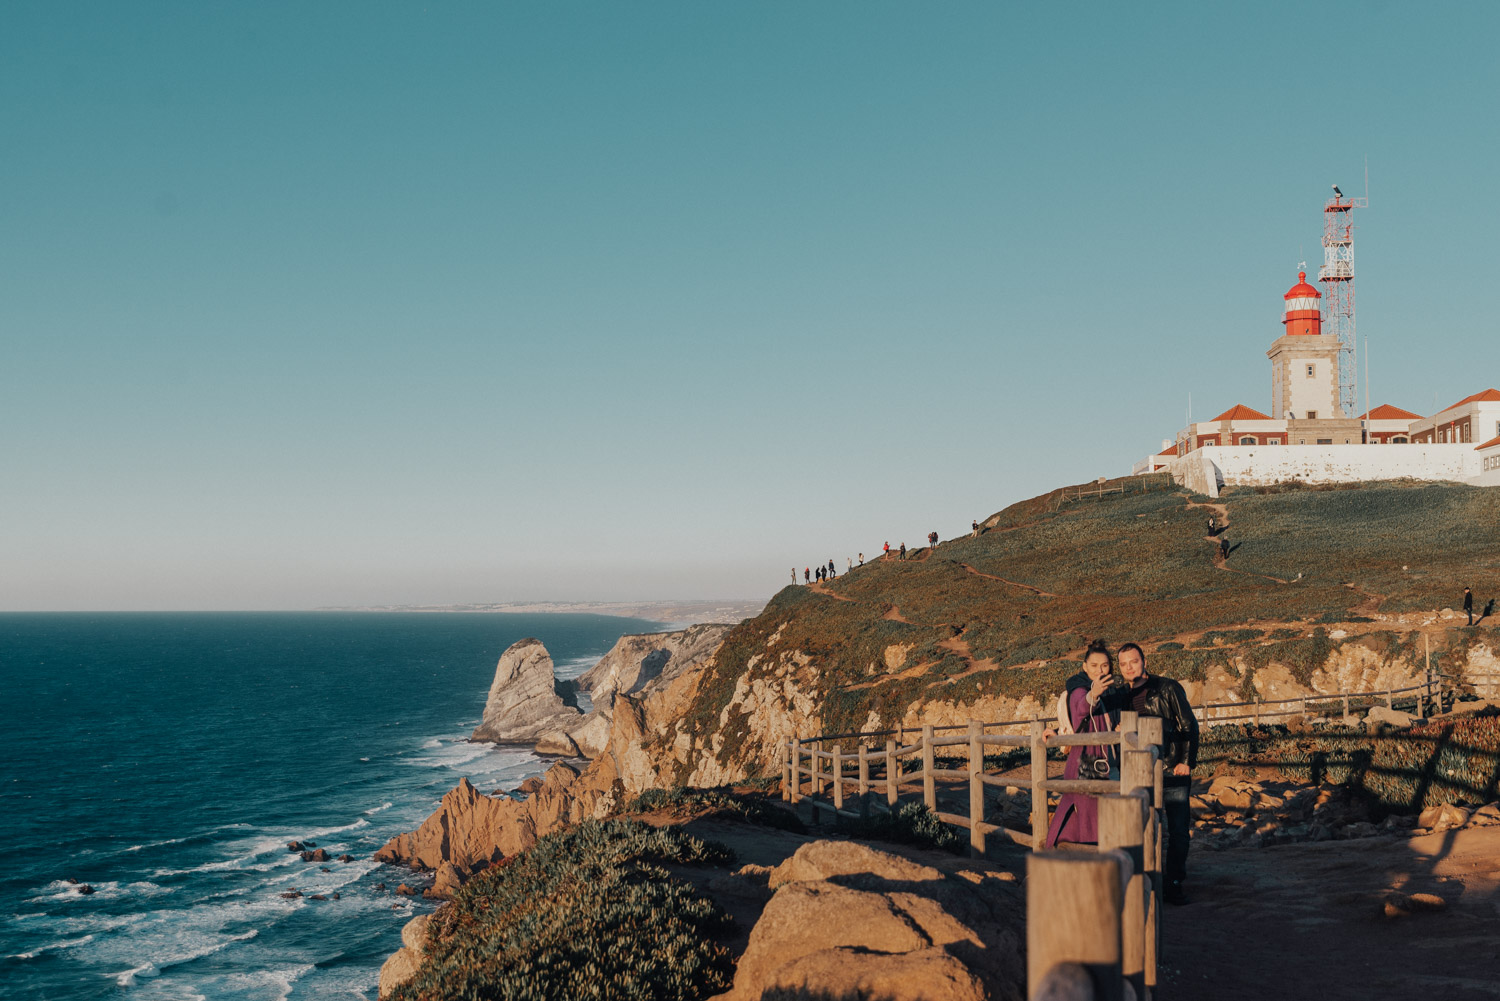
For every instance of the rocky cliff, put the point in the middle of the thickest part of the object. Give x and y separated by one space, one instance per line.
645 662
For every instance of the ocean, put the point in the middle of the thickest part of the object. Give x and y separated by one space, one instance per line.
167 759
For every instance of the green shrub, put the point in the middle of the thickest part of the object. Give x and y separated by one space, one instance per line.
911 824
718 802
588 912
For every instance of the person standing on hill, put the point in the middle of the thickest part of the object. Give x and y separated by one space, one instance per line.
1087 706
1164 698
975 526
1223 548
1469 605
932 538
861 559
903 550
807 575
887 549
794 576
849 564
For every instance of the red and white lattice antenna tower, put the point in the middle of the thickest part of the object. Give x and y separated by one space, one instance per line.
1337 278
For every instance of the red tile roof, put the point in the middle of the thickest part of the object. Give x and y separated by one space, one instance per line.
1488 396
1240 412
1169 450
1386 412
1489 444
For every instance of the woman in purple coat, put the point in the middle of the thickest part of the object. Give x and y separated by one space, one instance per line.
1089 709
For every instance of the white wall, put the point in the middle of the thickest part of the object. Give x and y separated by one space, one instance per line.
1207 470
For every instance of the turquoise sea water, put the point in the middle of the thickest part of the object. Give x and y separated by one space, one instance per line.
166 760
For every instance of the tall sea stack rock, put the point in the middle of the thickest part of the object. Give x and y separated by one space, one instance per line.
524 702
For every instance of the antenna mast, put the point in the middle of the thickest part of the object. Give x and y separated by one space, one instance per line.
1337 277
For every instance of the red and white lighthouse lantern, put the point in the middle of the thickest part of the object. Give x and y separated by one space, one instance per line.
1302 313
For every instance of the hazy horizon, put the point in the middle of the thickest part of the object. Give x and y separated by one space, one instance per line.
364 304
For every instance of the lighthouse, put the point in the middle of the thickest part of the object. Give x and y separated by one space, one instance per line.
1304 360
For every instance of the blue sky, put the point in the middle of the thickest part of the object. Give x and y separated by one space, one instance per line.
331 304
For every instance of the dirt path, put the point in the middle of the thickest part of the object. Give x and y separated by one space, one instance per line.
1306 921
1012 583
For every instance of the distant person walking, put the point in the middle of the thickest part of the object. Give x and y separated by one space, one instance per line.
849 564
887 549
794 576
807 575
861 559
1223 549
1210 524
1151 695
903 550
932 538
975 526
1469 605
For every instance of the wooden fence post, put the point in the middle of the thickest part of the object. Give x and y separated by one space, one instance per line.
864 780
1039 816
1152 730
786 775
976 790
794 751
838 779
1138 771
1388 699
929 781
1346 705
1073 916
1122 825
891 774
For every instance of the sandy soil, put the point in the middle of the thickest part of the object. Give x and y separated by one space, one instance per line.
1307 921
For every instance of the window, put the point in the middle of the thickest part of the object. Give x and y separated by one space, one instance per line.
1247 441
1312 415
1325 441
1497 429
1466 433
1273 441
1310 370
1400 439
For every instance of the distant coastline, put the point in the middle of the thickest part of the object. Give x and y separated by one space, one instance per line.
672 612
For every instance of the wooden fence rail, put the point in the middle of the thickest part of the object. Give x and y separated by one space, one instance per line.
1093 926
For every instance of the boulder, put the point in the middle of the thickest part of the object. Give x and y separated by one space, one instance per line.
849 921
85 889
523 702
319 855
346 858
1443 817
405 891
822 860
397 970
403 963
294 846
1380 716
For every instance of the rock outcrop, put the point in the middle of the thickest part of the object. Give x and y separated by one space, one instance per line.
402 964
640 663
470 830
524 703
851 921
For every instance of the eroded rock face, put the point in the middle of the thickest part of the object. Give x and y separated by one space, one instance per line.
644 662
848 920
523 703
470 830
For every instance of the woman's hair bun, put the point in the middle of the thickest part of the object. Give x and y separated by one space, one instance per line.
1098 646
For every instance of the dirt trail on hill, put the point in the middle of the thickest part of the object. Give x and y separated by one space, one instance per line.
1220 562
1012 583
1306 920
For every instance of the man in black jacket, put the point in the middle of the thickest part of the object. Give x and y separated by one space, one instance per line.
1150 695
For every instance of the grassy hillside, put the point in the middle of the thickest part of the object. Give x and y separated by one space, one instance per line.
1010 611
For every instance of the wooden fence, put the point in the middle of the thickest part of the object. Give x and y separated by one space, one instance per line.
1093 931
